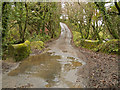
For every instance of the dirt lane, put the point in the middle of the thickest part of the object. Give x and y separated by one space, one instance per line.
56 68
63 47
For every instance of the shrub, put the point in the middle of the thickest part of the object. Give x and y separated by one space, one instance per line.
111 46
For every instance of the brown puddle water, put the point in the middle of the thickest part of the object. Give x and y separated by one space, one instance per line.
65 51
73 65
45 66
72 58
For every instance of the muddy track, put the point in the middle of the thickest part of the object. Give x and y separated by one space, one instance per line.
64 48
57 67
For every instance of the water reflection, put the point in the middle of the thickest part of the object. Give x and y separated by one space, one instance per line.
48 67
44 66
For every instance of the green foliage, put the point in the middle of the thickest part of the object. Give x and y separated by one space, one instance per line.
90 44
39 45
19 51
111 46
93 19
40 38
34 21
76 36
108 18
91 23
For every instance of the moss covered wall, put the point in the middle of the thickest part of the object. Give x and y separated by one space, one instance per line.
111 46
90 44
19 51
37 45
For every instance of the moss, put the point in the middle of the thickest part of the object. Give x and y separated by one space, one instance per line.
111 46
37 45
92 41
90 44
76 36
77 43
19 51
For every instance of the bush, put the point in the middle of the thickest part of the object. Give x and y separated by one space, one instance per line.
90 44
111 46
40 38
76 36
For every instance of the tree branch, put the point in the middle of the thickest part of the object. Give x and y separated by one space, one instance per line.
118 8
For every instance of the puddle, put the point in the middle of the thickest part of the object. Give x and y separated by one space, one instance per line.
72 65
72 58
48 85
65 51
44 66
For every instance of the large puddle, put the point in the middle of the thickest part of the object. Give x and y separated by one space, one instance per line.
46 66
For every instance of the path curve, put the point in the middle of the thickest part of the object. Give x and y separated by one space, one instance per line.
64 48
58 69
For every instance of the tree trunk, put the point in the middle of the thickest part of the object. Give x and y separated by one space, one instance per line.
88 25
107 21
118 8
23 36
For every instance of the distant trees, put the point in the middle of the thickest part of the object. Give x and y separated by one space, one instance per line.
94 20
106 17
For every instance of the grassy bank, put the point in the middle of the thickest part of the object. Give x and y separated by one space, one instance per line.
109 47
37 43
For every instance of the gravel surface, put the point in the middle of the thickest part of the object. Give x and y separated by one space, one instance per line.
102 69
